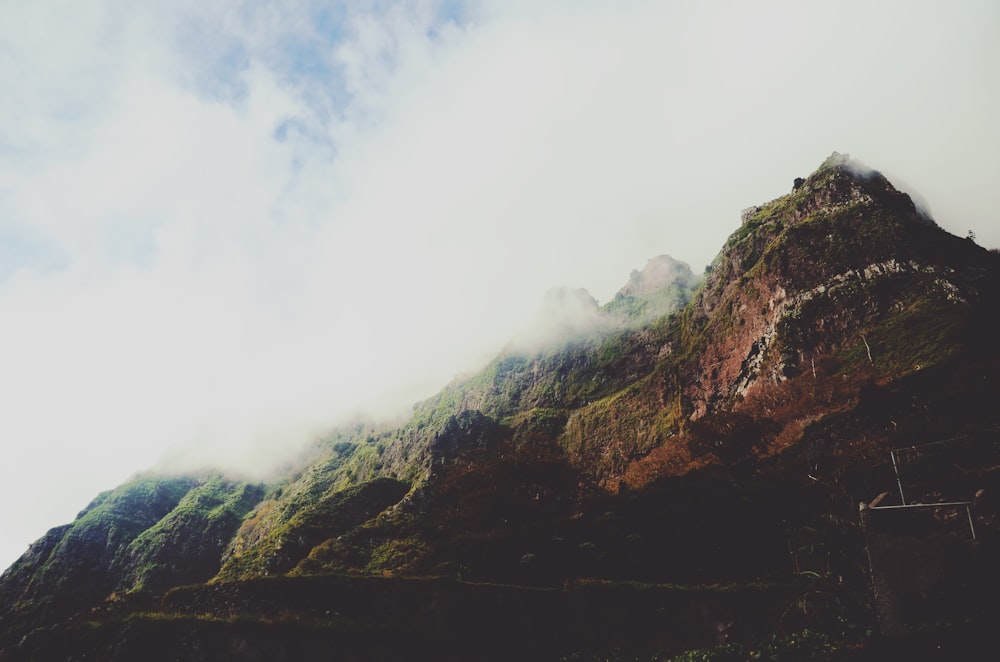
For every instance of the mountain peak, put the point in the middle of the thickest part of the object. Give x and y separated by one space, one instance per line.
841 181
661 271
662 286
838 183
838 160
841 167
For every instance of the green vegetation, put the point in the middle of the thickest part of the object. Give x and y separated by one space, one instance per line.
640 310
284 545
196 530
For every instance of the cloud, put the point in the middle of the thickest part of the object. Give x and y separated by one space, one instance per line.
226 227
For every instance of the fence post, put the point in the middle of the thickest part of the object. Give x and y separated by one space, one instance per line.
899 482
972 527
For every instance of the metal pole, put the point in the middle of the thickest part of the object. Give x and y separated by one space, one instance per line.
972 527
895 468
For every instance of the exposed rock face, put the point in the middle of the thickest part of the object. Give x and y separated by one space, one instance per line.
748 213
832 243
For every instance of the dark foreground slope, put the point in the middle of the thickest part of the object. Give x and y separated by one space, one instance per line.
683 470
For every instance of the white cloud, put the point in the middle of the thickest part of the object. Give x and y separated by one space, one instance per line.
228 225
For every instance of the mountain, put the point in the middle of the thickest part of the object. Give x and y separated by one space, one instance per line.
676 470
663 286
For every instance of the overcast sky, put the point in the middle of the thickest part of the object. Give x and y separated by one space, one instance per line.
225 226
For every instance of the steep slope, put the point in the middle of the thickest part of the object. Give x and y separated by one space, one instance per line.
685 433
838 285
146 535
522 397
842 252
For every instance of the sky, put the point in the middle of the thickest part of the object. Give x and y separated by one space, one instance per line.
227 226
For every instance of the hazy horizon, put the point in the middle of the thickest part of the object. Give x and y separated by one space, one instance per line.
226 228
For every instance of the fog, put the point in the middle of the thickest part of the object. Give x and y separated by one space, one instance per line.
224 230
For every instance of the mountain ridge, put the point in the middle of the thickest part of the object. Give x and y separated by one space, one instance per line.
812 346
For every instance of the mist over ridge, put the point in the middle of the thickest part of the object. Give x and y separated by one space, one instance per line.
691 453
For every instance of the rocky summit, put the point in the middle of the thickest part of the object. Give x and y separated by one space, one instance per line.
674 475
